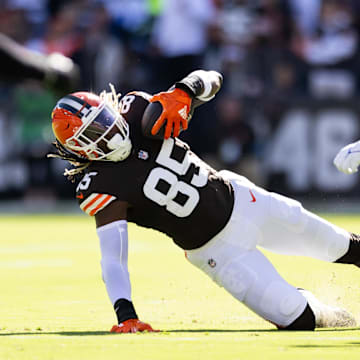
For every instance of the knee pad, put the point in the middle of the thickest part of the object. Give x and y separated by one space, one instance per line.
236 278
306 321
281 303
278 301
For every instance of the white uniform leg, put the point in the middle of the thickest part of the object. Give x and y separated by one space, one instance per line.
279 224
295 231
282 225
250 278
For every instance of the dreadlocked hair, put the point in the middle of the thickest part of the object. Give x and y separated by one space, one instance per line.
78 163
111 97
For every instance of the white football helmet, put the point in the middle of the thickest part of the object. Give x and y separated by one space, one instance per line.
91 127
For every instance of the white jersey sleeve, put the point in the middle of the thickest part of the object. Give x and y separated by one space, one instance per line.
114 259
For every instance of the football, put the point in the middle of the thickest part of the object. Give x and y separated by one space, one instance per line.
151 114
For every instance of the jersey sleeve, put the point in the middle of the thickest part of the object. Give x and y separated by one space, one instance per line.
133 105
135 108
90 195
95 203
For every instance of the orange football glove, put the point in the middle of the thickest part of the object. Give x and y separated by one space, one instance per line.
176 107
132 326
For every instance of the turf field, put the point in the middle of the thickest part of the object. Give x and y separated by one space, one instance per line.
53 303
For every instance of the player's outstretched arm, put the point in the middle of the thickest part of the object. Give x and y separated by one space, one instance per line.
113 234
347 159
177 104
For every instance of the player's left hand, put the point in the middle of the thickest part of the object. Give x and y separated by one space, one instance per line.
176 108
132 326
347 159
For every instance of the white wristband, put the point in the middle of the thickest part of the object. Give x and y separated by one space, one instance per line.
209 78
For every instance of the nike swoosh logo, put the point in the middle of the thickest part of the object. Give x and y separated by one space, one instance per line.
80 196
252 196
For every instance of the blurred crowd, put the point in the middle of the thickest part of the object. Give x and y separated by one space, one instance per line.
269 51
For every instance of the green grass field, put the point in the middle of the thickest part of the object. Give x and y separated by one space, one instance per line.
53 304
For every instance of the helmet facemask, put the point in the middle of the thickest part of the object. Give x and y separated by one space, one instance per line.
103 135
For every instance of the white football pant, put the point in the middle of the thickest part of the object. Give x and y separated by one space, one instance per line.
278 224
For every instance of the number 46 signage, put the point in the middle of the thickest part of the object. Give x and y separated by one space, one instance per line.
304 145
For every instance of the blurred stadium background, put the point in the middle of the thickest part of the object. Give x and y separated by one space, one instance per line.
290 98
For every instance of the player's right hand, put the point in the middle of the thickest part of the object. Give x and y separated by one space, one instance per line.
176 105
347 159
132 326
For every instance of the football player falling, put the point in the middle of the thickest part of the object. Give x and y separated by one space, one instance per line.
131 167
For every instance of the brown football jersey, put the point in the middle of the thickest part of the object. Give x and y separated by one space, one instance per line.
167 186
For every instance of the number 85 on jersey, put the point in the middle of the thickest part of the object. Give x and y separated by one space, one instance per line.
180 197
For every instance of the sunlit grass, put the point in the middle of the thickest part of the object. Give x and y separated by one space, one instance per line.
53 304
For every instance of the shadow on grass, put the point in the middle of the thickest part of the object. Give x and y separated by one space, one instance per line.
102 333
179 331
322 346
